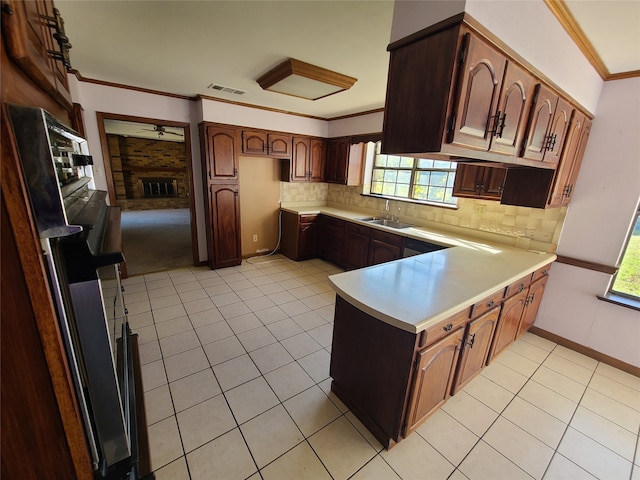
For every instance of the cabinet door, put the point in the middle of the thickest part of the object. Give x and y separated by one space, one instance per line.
539 124
576 160
467 180
508 323
479 181
307 231
317 160
433 376
331 236
300 160
536 290
337 157
563 172
384 247
558 131
224 217
27 40
356 246
475 348
513 106
480 85
279 145
221 150
254 143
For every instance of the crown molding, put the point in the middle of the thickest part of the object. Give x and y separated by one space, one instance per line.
567 20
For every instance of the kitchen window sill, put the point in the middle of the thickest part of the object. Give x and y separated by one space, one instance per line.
621 300
409 200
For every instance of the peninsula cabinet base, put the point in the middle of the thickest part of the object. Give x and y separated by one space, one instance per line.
371 370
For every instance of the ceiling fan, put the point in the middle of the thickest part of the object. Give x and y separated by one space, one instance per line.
161 130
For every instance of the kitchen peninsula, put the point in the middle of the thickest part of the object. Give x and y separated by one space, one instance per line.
411 332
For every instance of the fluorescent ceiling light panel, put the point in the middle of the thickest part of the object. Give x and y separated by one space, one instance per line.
300 79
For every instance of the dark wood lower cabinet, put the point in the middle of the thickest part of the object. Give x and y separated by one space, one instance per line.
475 348
435 369
223 232
393 380
384 247
357 242
536 290
508 323
331 238
298 236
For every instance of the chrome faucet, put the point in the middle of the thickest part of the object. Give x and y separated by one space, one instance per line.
386 209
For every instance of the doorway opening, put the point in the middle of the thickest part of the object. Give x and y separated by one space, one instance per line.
149 175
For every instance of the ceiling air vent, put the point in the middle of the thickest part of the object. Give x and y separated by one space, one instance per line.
222 88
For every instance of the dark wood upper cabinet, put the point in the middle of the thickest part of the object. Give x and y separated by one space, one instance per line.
307 161
28 40
515 101
481 79
266 144
337 158
219 149
456 90
548 124
300 159
567 171
317 156
477 180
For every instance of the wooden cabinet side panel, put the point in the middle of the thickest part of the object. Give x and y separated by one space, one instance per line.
289 234
370 367
419 75
433 378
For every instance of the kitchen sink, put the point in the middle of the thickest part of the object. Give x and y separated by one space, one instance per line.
385 222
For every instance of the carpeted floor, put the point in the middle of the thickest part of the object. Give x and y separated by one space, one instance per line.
156 240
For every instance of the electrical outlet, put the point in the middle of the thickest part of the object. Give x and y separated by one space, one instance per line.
255 238
480 208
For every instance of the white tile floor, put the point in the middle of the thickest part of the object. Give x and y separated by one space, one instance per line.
236 378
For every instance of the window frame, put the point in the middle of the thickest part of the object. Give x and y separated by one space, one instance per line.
412 185
615 296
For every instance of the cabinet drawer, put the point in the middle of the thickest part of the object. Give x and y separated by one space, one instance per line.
332 221
541 272
388 238
487 303
443 328
517 286
359 229
307 219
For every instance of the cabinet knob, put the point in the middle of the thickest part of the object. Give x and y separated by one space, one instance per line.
490 304
448 327
521 287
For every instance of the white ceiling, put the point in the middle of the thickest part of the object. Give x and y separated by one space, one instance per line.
182 47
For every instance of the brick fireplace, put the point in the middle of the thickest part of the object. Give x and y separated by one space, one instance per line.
148 174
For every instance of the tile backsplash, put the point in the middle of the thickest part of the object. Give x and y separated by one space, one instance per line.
522 227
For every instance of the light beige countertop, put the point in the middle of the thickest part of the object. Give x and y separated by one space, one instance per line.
416 292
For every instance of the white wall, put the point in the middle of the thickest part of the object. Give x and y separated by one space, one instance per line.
410 16
232 114
370 123
595 229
